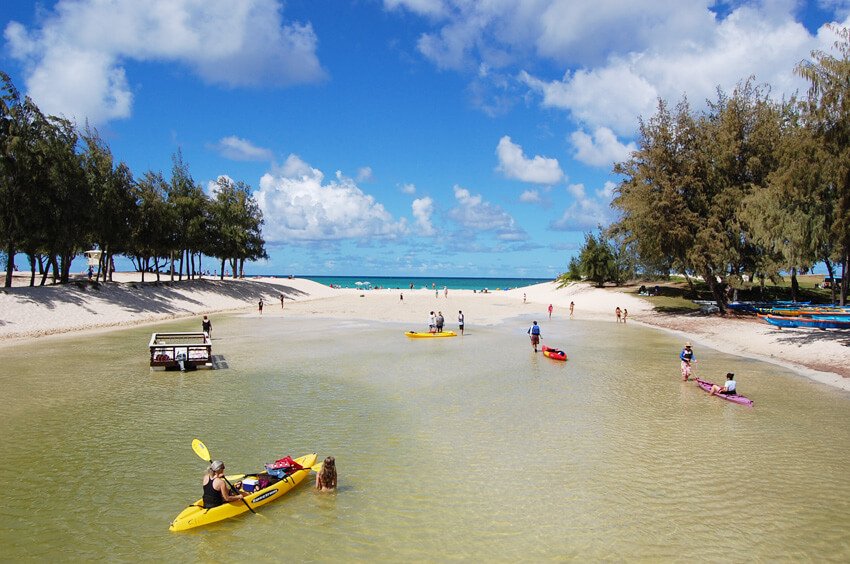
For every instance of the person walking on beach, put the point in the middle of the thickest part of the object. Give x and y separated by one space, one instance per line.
260 306
206 326
432 323
687 358
523 298
440 321
436 293
460 321
534 332
550 311
401 297
446 292
281 301
618 313
572 306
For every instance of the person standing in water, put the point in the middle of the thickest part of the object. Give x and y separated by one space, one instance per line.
625 314
618 312
326 477
534 333
550 311
687 358
572 306
460 321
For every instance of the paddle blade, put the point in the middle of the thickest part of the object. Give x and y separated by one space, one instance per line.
201 450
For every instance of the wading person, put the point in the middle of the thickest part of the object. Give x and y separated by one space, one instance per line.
534 333
687 358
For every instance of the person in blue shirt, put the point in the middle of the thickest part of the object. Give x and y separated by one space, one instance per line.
534 332
730 388
687 358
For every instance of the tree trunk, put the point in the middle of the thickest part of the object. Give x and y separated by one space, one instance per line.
845 259
31 258
795 286
221 272
716 291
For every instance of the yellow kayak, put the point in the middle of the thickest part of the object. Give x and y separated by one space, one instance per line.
415 335
196 515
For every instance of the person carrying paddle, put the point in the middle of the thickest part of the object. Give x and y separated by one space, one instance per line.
728 389
687 357
216 491
534 332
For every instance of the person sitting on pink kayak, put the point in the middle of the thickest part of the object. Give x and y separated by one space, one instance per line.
728 389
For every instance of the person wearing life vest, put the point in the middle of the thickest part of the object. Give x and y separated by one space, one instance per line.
687 358
534 333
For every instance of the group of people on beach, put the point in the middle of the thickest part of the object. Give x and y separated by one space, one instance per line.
437 321
622 314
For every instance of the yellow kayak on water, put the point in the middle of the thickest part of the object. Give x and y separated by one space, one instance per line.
196 515
415 335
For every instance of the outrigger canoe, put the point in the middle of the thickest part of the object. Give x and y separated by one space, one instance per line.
734 398
415 335
555 354
196 515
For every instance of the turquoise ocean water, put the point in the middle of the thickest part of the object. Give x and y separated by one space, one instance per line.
403 282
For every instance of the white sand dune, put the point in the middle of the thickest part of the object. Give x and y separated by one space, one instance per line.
31 313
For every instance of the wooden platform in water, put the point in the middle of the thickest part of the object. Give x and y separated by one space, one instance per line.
194 349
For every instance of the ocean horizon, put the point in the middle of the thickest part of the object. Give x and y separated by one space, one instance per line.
424 282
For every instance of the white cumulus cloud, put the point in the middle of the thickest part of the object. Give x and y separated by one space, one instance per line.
530 197
475 214
584 211
364 174
514 164
408 188
423 209
239 149
602 149
298 204
75 61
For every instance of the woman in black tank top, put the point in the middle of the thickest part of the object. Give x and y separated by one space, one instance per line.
215 488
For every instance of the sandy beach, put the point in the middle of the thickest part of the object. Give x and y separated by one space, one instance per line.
33 313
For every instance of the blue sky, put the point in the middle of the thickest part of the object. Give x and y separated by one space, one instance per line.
400 137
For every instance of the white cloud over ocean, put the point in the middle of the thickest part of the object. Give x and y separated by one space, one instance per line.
75 62
298 204
514 164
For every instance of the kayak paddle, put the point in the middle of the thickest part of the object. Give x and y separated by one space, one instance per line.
203 452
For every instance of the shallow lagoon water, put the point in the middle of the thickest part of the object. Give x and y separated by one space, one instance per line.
465 448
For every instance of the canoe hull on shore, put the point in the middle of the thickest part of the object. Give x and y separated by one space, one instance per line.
196 515
806 322
734 398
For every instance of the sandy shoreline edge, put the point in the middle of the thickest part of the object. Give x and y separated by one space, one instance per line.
32 313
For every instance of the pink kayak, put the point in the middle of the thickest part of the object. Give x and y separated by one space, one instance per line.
735 398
